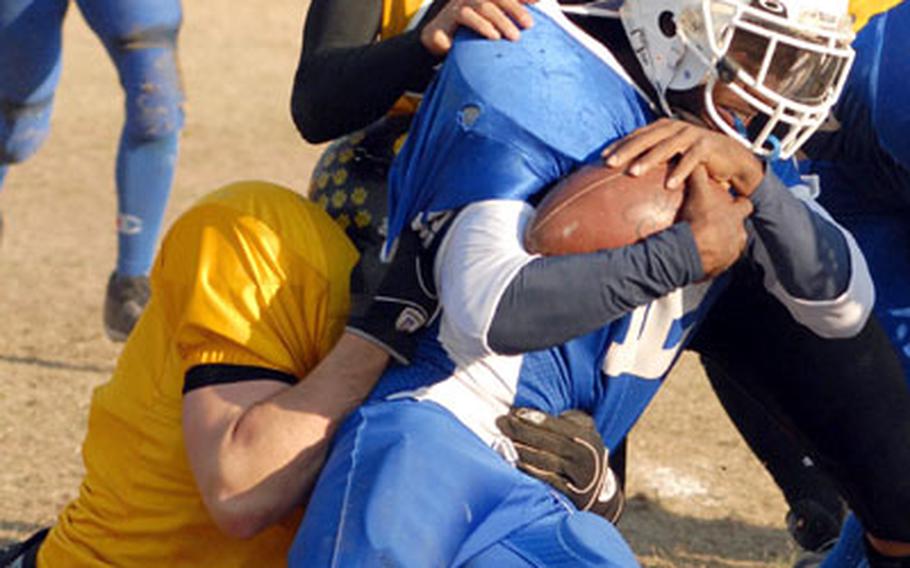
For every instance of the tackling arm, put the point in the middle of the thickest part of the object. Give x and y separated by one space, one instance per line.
256 447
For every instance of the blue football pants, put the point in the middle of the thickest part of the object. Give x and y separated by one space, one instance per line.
406 484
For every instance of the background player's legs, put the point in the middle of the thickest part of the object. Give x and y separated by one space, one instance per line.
141 39
30 37
816 507
885 240
846 399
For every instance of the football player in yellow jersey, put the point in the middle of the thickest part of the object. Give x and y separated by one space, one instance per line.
201 448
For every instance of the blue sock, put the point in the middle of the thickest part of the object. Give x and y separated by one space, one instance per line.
850 550
145 171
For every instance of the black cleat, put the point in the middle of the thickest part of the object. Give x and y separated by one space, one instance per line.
124 301
814 527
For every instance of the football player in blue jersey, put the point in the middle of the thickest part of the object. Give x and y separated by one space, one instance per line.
140 37
338 63
417 477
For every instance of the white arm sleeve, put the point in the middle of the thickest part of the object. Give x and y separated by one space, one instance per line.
840 317
479 256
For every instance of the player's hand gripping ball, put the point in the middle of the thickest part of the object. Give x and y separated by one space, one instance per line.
598 207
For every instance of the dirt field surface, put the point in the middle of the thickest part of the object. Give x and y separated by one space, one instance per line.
698 497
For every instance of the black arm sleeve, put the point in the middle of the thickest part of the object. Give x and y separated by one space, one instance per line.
345 79
809 254
554 299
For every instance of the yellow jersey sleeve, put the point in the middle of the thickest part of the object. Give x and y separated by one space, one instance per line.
256 275
862 10
398 16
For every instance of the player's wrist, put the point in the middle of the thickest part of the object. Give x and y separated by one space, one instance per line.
363 347
681 240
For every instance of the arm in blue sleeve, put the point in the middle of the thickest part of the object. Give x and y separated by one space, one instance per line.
554 299
808 253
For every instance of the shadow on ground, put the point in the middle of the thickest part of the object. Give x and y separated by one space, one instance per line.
56 364
690 542
16 527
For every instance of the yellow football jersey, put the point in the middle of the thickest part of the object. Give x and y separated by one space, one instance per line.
253 274
862 10
398 16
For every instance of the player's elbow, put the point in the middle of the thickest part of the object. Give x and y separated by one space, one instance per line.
841 318
307 122
236 516
312 116
846 324
855 309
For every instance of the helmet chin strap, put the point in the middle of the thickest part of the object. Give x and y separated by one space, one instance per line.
774 141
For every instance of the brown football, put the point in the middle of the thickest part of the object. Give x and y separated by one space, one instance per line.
601 208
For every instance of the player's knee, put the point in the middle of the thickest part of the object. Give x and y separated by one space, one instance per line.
24 128
154 94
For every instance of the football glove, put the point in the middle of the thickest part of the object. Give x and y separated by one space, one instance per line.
567 452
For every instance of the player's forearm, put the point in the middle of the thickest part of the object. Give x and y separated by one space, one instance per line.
496 296
272 455
554 299
809 254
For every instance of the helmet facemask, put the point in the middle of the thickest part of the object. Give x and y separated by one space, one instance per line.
787 60
789 72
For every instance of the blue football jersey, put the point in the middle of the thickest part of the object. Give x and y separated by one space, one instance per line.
504 120
864 162
502 123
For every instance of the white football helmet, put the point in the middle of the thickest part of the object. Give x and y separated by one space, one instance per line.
788 59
